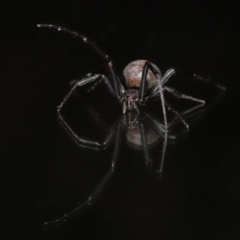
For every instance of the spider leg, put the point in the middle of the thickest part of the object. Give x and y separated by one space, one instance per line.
146 67
163 103
116 82
172 71
199 78
101 77
82 82
144 145
85 143
77 84
183 96
142 88
177 94
81 141
155 124
177 115
164 147
193 113
68 216
169 73
192 109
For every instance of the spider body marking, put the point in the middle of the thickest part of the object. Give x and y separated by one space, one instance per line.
143 81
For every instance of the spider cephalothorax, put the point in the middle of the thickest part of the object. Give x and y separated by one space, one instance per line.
130 100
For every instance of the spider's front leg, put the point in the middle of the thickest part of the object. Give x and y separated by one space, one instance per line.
82 82
116 83
79 140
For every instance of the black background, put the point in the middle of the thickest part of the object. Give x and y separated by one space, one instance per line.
44 174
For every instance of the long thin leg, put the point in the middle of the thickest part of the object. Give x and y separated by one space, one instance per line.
183 96
190 113
101 77
177 115
162 102
116 82
144 144
143 81
164 149
199 78
155 124
172 71
82 82
68 216
106 80
169 73
77 84
177 94
81 141
147 66
85 143
190 110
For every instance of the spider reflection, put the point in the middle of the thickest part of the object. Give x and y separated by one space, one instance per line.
142 132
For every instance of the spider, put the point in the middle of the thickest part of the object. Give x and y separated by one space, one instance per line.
143 81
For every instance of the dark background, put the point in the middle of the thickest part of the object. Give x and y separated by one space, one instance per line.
44 174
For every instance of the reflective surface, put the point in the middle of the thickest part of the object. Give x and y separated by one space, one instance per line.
45 174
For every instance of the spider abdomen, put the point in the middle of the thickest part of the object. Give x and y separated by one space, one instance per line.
133 74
